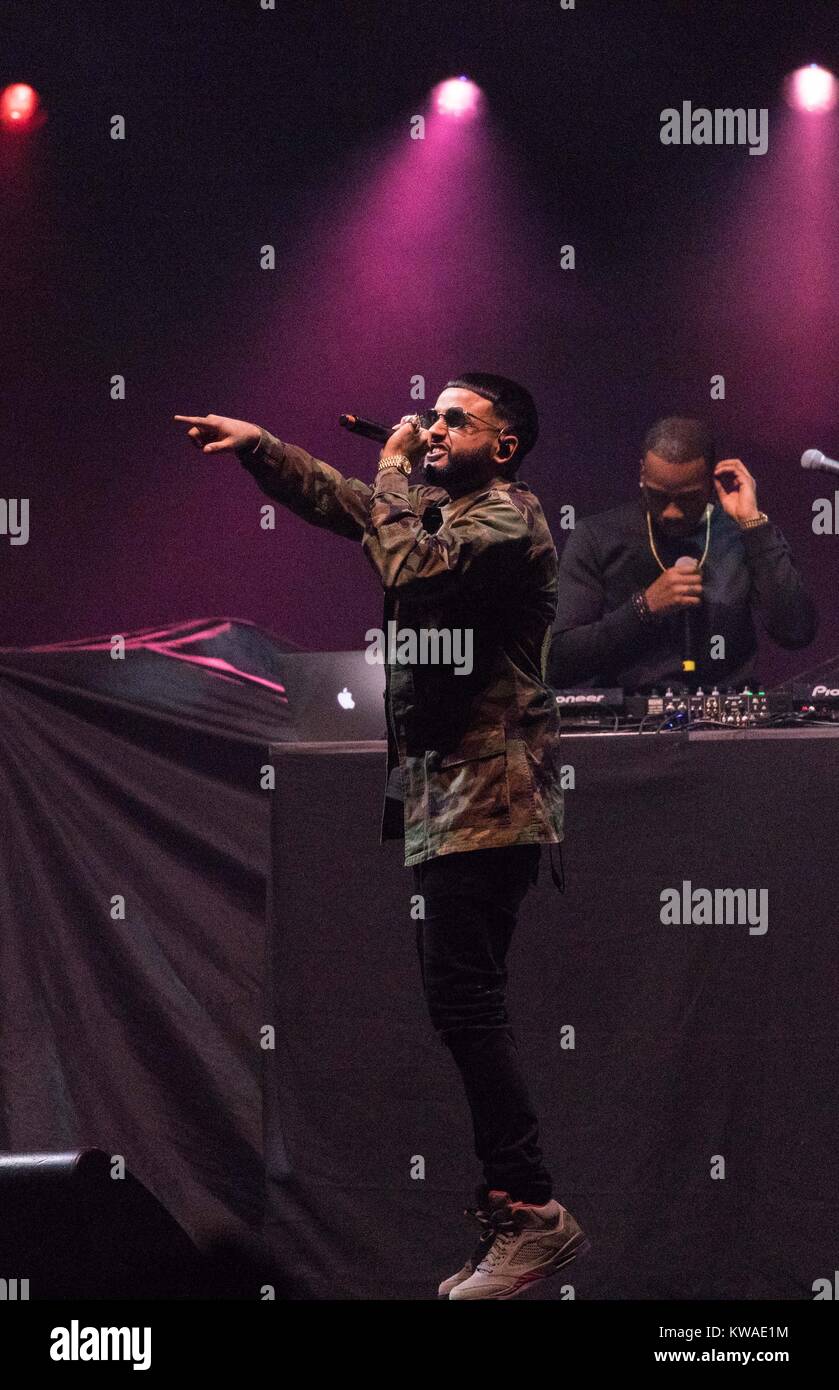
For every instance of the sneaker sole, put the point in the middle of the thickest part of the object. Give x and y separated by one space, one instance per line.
565 1257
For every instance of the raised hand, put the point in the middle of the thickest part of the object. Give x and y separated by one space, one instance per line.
741 501
214 433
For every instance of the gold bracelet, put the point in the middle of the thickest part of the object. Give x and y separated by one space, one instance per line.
395 461
759 520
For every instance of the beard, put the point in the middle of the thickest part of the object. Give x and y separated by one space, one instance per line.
675 530
462 471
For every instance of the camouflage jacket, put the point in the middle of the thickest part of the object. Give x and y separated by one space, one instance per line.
477 749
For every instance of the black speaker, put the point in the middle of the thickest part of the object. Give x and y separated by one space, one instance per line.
69 1229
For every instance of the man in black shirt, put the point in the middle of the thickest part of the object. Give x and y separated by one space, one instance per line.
620 615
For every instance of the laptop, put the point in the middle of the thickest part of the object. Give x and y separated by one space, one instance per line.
335 697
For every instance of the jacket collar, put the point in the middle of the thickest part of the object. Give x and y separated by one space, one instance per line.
456 505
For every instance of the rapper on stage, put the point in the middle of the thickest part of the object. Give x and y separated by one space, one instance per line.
622 598
473 759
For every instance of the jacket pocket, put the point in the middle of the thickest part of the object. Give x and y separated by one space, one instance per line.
474 746
469 786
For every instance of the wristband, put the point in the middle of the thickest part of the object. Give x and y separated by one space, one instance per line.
642 608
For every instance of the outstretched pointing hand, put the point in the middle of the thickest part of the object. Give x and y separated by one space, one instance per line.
213 433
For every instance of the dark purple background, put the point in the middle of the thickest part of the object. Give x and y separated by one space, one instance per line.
395 257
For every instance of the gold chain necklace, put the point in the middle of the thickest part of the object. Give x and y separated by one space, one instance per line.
662 566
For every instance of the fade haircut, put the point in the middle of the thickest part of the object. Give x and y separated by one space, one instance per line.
512 403
678 439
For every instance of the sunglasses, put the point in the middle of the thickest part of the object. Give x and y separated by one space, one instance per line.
455 418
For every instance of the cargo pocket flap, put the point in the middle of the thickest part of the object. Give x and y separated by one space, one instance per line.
475 747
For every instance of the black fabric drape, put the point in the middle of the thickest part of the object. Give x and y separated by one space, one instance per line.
689 1121
141 778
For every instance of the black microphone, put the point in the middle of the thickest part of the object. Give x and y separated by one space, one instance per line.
368 428
687 562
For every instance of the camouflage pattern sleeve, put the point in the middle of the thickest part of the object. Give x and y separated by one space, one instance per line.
308 487
463 553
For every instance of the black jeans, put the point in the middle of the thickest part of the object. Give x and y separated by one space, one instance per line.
471 902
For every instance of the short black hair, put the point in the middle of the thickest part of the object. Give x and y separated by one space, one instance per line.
511 403
680 438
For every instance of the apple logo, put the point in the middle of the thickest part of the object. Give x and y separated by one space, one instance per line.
345 699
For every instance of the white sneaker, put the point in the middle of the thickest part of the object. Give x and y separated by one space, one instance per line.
481 1213
522 1243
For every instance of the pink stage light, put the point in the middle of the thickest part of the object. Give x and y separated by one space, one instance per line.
457 96
812 89
18 104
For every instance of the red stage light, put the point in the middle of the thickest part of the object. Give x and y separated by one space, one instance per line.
18 104
812 89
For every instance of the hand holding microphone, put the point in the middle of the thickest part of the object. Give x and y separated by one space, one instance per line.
407 438
675 589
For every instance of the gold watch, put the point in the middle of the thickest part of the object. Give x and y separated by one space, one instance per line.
758 520
399 461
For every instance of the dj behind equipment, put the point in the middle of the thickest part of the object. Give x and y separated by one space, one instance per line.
655 622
